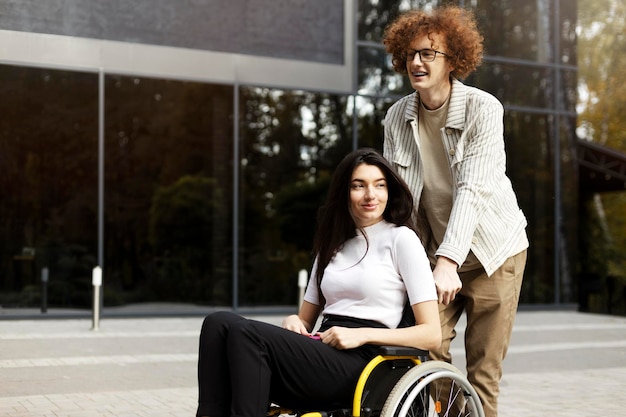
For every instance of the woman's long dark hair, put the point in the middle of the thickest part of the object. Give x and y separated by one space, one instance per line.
335 224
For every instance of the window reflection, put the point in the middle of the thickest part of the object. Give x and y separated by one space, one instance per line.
168 182
568 18
518 85
569 95
517 29
291 142
169 167
371 113
375 15
48 184
530 164
570 205
376 76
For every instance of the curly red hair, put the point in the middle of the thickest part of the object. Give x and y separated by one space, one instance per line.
455 25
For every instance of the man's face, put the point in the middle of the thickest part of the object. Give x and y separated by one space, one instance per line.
428 76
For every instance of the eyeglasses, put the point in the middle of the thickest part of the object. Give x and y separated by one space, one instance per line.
426 55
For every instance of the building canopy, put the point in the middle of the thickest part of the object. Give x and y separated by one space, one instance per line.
602 169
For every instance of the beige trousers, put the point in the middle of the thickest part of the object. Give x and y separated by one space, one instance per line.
490 304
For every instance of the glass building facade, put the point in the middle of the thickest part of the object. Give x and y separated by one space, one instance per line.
185 149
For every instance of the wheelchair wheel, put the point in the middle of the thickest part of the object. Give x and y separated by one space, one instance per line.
433 389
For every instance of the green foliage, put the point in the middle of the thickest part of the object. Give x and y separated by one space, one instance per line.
602 57
182 214
182 234
602 104
291 142
297 207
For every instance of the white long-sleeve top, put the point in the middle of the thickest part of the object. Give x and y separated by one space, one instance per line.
374 282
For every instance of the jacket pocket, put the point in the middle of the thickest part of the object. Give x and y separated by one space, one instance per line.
403 159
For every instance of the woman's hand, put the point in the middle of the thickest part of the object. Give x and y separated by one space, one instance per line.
303 322
426 334
296 325
343 337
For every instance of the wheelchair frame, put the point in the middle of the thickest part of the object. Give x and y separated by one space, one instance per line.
401 382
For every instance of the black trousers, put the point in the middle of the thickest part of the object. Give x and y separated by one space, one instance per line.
243 365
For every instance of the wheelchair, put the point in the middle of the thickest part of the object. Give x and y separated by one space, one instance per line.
401 382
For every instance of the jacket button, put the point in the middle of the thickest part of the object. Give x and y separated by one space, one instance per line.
448 131
452 152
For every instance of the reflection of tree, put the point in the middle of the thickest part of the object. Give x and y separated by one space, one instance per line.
158 132
296 207
602 101
291 141
370 122
184 240
375 15
520 30
48 182
516 29
375 75
530 167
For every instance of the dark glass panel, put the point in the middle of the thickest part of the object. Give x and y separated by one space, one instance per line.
376 75
371 113
568 21
375 15
48 184
603 284
569 90
569 207
530 165
290 143
516 85
517 29
168 198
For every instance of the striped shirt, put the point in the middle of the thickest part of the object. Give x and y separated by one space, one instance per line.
485 216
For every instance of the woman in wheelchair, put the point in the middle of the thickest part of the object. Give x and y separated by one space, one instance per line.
368 263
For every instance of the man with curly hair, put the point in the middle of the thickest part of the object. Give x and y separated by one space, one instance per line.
447 141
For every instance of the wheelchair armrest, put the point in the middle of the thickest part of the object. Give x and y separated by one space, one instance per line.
402 351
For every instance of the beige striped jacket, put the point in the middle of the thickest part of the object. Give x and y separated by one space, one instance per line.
485 214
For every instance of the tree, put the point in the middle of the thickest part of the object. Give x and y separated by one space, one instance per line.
602 107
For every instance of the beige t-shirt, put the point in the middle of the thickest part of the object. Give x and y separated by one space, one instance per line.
436 199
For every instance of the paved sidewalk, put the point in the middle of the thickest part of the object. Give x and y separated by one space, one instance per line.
560 363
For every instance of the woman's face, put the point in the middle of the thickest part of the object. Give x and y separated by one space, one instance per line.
368 195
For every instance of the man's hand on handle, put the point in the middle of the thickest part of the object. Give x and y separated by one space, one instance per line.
447 280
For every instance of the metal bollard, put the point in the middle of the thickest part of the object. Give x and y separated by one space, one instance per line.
44 289
302 281
97 283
